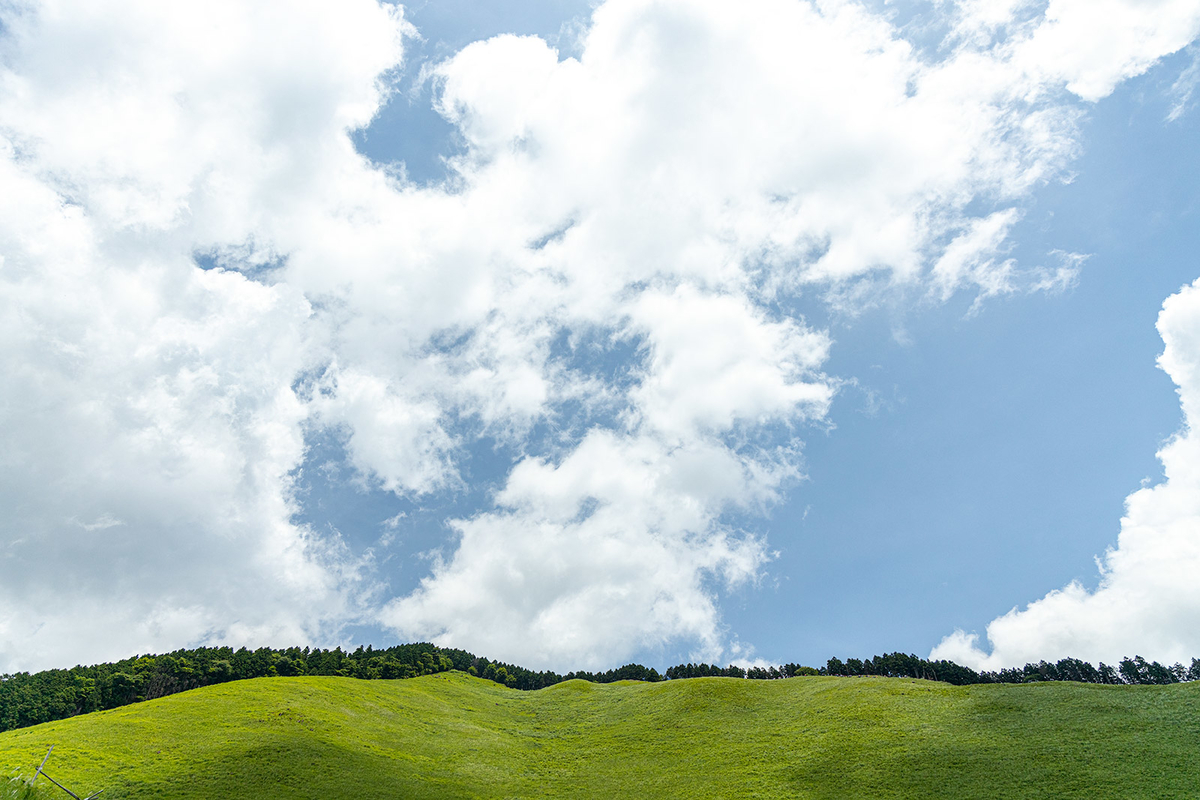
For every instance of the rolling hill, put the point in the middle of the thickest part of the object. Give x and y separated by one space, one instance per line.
451 735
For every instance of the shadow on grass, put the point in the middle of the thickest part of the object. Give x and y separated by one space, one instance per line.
1063 741
299 769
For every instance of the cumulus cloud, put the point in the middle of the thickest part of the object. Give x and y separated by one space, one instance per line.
607 551
719 157
1093 45
198 271
1088 46
1147 600
613 546
148 421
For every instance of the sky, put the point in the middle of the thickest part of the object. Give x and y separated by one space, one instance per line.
575 334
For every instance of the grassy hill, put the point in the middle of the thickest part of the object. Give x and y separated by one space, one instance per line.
450 735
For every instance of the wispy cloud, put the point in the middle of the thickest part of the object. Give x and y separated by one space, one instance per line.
1185 87
103 522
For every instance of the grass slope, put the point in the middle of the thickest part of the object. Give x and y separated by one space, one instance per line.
451 735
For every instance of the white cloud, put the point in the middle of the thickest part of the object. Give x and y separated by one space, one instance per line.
149 429
715 363
396 439
614 548
698 162
1185 87
1147 601
1088 46
970 256
1093 45
607 552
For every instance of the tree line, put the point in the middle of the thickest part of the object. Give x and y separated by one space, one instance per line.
1131 671
29 699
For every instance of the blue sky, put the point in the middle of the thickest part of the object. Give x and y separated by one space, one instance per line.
628 360
977 461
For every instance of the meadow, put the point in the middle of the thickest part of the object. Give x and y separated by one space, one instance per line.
453 735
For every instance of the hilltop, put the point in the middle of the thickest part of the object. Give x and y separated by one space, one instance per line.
453 735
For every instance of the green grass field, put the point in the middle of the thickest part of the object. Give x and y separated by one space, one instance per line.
450 735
